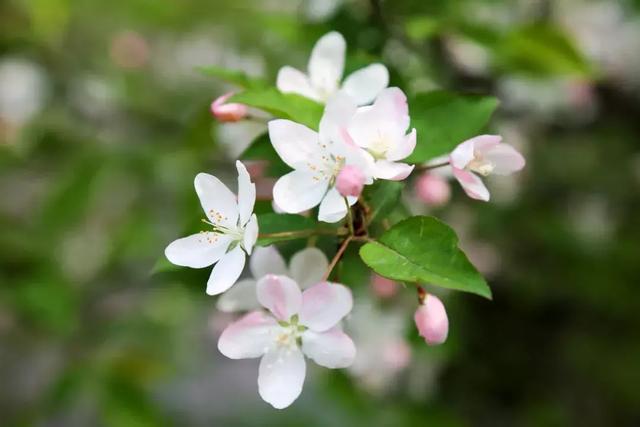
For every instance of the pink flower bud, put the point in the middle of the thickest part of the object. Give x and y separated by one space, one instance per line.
431 320
350 181
397 355
228 112
433 189
383 287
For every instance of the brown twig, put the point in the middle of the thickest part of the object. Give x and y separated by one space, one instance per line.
337 257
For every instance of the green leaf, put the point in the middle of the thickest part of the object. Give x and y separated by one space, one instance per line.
443 120
233 76
262 149
382 197
273 223
422 249
282 105
541 50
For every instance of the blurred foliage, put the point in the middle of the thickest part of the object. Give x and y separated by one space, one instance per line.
99 180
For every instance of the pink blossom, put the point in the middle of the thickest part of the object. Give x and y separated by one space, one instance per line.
299 324
231 112
483 155
431 320
350 181
383 287
432 189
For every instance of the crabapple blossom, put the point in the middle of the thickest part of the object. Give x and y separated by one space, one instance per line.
383 350
228 112
299 324
317 158
350 181
433 189
235 231
325 69
380 130
432 321
307 267
483 155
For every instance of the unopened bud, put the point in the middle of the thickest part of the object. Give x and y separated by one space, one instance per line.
231 112
432 321
350 181
433 189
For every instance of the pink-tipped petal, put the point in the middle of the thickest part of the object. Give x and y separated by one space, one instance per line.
250 336
505 159
280 295
433 190
332 349
472 184
324 305
281 376
432 321
483 143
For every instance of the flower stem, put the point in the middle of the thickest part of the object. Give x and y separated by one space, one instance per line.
337 257
302 233
429 167
349 218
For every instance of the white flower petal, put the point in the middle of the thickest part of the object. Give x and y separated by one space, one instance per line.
327 62
387 118
404 148
218 202
291 80
250 234
484 143
471 184
240 297
250 336
246 193
198 250
337 114
280 295
281 376
308 266
333 207
463 154
324 304
296 144
392 170
267 260
226 272
365 84
505 159
298 191
331 349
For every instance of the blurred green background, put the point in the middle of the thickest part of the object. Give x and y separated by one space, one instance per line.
104 122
